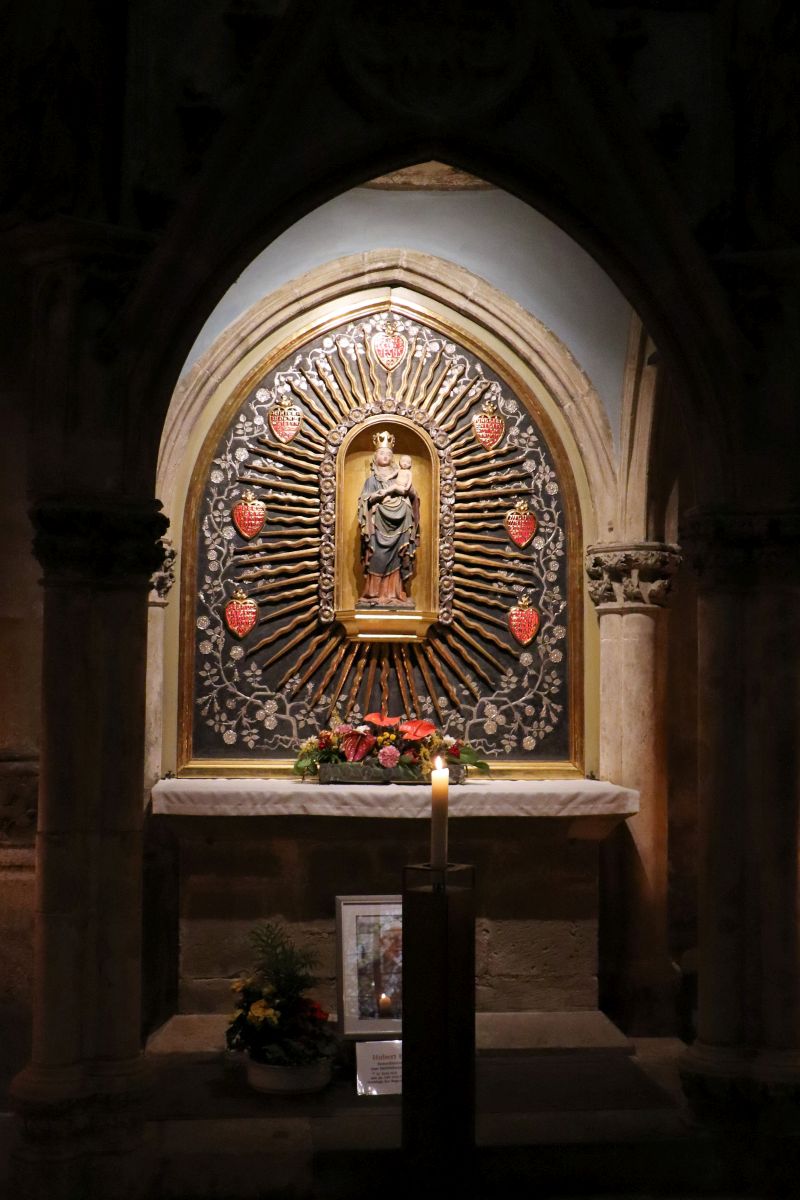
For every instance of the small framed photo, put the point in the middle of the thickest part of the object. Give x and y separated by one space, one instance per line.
369 945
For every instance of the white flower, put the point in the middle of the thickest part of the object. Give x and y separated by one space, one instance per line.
241 454
559 632
217 476
271 707
270 723
206 647
362 728
237 652
528 742
229 532
202 622
500 719
556 656
525 659
490 727
229 737
538 542
551 488
447 740
491 710
260 714
529 710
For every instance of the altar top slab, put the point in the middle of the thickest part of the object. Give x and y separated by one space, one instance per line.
554 798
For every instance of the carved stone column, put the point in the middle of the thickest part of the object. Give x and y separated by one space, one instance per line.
629 585
79 1097
748 569
157 602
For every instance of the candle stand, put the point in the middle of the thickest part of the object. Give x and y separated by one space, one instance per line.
439 1020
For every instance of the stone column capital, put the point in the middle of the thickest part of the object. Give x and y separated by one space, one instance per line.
728 547
631 573
162 580
99 541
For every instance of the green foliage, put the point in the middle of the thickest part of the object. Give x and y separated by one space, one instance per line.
279 962
274 1022
469 757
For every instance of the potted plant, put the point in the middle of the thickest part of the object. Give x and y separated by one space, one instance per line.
285 1034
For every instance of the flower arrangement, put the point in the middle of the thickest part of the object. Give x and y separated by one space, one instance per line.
274 1022
406 748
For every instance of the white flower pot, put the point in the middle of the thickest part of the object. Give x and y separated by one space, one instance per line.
305 1077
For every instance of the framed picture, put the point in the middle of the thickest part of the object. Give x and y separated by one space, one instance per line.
369 945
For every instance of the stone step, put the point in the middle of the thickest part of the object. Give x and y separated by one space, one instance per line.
579 1031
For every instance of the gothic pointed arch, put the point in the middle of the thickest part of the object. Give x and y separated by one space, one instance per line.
282 393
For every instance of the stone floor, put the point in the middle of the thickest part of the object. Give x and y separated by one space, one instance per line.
566 1106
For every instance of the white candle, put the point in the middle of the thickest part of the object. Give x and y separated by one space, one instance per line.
440 778
384 1005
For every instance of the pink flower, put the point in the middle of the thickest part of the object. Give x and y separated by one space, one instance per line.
388 756
343 729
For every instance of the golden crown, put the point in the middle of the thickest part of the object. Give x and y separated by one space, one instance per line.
384 438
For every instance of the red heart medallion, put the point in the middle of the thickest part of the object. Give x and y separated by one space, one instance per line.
488 426
241 614
389 347
523 621
285 419
249 515
520 524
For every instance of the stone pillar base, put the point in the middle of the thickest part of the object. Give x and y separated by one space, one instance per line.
74 1142
733 1084
717 1082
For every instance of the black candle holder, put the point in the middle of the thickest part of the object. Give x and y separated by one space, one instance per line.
439 1018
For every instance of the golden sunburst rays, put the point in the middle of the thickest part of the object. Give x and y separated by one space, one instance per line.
337 384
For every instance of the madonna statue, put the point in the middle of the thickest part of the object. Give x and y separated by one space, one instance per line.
388 516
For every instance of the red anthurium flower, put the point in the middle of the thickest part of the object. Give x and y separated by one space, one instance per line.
357 745
454 751
415 731
381 721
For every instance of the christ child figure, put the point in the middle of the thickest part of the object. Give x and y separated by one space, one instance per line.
402 484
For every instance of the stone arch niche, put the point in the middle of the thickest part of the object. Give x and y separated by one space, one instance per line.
273 637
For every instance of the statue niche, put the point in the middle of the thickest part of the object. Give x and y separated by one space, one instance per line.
387 527
388 517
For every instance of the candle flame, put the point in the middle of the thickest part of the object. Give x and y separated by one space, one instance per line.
438 764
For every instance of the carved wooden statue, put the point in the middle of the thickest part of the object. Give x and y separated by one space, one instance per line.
388 516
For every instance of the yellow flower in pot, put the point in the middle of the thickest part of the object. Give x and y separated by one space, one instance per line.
285 1035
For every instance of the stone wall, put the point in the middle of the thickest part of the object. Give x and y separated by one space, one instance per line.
17 883
536 899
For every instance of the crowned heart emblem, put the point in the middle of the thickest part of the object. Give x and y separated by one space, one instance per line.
241 614
488 425
285 419
520 524
249 515
389 346
523 621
